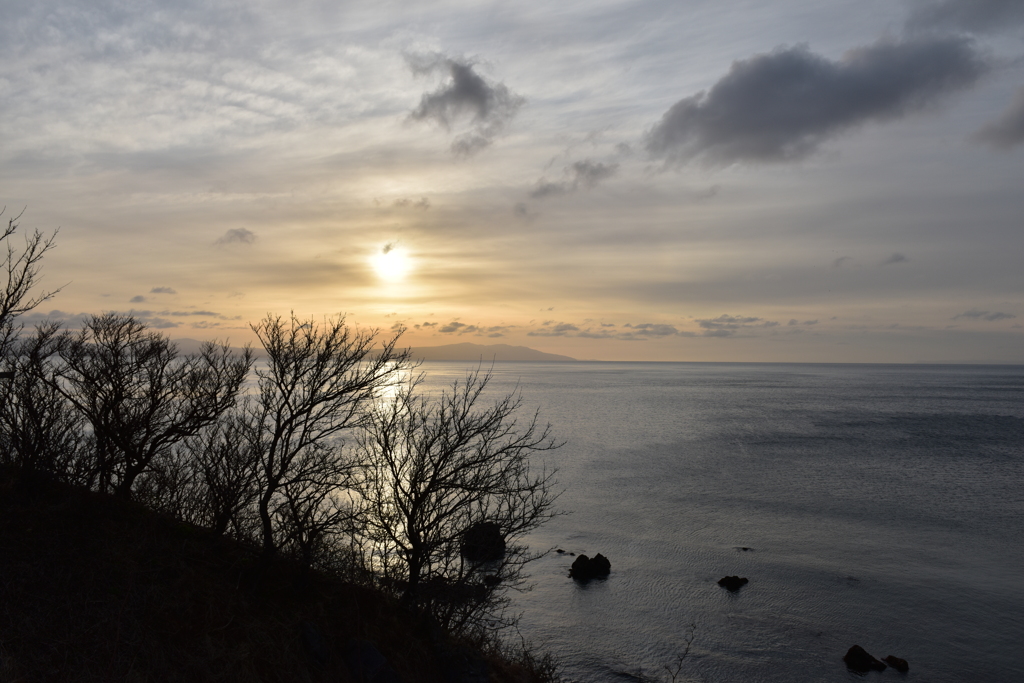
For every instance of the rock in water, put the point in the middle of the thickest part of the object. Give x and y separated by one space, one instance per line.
585 568
897 663
483 542
857 659
733 583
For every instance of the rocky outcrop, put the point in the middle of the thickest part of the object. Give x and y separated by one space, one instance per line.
733 583
857 659
483 542
585 568
897 663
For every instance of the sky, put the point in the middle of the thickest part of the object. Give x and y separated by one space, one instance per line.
670 180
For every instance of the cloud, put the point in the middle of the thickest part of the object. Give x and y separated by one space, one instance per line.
977 16
162 290
895 258
838 263
237 235
405 202
653 330
585 174
138 299
728 325
552 329
781 106
629 332
1008 130
984 315
465 95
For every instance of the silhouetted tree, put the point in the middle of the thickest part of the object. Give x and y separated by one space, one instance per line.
320 379
223 464
139 396
436 472
21 267
41 429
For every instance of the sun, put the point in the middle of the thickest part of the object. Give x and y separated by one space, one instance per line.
391 263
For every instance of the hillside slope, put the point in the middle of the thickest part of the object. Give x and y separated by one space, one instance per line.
99 589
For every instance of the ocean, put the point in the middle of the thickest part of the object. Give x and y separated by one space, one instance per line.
879 505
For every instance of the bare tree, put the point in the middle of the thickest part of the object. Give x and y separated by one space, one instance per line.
41 429
320 380
139 395
223 464
448 494
22 270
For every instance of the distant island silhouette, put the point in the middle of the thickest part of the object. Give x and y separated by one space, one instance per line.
455 352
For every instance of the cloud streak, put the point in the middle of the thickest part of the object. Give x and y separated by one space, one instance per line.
781 106
984 315
978 16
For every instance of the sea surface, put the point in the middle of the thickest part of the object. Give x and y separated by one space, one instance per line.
881 505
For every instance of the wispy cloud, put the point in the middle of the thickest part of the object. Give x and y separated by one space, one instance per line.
729 325
405 202
1007 131
978 16
783 105
895 258
580 174
984 315
162 290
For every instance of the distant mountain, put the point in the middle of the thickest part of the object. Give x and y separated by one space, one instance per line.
485 352
457 352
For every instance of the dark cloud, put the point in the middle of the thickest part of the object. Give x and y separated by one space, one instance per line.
162 290
138 299
895 258
237 236
977 16
984 315
1008 130
465 95
580 174
782 105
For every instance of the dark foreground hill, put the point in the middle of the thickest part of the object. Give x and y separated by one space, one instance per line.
94 588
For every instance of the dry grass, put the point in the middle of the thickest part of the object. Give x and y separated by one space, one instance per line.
98 589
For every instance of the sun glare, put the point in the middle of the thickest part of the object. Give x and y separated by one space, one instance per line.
391 263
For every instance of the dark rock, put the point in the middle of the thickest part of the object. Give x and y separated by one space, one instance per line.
897 663
733 583
483 542
314 644
857 659
585 568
